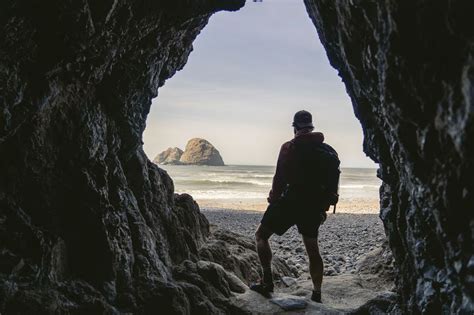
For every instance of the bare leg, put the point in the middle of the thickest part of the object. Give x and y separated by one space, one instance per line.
315 262
264 251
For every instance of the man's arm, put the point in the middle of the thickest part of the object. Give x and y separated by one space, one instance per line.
280 180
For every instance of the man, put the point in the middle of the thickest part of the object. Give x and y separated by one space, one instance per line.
293 200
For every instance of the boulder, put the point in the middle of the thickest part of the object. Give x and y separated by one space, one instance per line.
169 156
201 152
238 255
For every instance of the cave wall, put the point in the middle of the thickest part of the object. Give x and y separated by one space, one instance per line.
408 68
87 222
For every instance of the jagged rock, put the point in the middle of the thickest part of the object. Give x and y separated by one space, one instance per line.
237 254
408 70
201 152
89 225
169 156
384 303
377 262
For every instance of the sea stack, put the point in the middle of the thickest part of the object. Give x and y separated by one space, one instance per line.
201 152
169 156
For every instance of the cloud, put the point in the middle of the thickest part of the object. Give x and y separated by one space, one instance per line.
249 72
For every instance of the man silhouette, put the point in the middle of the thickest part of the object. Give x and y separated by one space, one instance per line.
292 201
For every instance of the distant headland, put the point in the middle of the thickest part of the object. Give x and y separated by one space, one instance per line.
197 152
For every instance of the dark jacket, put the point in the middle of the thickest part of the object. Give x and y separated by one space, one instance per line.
285 171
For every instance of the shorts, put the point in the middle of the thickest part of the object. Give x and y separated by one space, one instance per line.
283 214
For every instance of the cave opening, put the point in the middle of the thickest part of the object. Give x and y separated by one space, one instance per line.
250 71
90 225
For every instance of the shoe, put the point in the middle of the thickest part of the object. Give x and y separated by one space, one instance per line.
263 289
316 297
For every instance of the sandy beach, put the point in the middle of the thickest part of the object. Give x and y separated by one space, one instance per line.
355 206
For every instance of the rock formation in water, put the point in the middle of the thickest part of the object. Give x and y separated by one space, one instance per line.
169 156
201 152
408 68
197 152
89 225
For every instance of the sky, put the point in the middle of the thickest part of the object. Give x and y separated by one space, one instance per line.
249 72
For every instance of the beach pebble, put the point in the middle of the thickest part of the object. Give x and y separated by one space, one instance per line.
288 281
343 238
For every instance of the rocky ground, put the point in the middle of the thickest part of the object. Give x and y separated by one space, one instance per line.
358 265
343 239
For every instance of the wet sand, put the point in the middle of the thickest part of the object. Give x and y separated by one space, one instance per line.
358 206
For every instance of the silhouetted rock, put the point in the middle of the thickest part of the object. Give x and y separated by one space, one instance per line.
408 70
89 225
169 156
201 152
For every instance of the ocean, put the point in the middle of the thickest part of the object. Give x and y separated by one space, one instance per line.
246 187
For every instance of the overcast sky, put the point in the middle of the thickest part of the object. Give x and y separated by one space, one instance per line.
250 71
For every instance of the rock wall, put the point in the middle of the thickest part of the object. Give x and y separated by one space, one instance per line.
408 68
87 223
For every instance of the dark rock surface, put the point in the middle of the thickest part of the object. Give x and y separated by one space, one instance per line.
385 303
408 68
169 156
201 152
237 254
87 223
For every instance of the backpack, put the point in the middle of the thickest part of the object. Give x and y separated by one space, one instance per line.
317 167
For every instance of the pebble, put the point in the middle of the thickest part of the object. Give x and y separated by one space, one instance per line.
343 238
288 281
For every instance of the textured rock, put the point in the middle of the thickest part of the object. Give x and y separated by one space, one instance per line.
201 152
377 262
169 156
408 68
385 303
87 223
290 303
237 254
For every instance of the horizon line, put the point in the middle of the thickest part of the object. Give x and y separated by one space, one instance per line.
266 165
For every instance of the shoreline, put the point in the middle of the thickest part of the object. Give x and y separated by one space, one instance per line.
355 206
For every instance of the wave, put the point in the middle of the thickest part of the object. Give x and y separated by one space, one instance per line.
224 194
196 183
252 182
359 186
220 182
